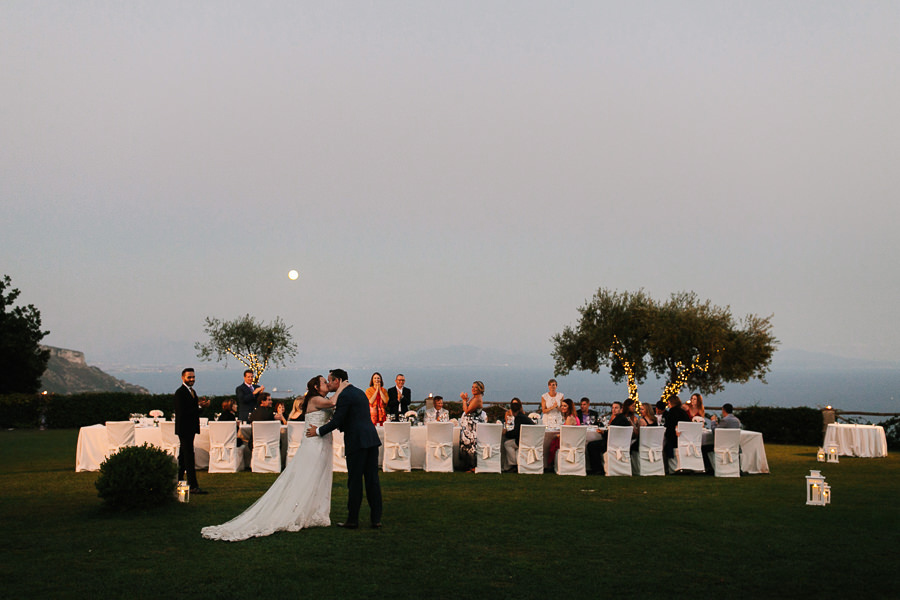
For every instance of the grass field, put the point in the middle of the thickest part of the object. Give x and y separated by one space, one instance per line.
462 535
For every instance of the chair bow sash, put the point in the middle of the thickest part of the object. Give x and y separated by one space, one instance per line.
531 453
397 449
622 454
488 450
692 449
267 450
219 451
571 452
441 450
653 454
726 456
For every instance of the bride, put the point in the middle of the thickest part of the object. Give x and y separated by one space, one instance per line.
301 496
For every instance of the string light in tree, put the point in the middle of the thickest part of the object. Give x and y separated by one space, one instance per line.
674 388
628 366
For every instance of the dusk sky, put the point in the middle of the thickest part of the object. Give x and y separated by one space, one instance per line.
447 173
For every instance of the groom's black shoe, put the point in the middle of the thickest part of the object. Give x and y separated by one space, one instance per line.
376 525
349 525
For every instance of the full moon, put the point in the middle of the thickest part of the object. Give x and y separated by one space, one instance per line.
293 274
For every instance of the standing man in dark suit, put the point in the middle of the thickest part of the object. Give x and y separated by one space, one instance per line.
399 398
246 395
187 425
361 442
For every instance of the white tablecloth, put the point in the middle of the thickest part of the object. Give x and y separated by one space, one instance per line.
857 440
93 444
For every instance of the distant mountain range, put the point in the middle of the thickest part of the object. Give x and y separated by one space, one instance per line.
68 373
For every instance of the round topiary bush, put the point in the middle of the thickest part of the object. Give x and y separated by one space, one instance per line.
137 477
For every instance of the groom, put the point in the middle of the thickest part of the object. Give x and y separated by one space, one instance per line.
361 442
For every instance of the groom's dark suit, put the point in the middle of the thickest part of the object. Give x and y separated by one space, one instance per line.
361 442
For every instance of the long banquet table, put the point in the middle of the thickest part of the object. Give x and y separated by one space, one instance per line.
93 444
857 440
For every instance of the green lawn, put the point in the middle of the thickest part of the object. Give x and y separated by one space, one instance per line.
462 535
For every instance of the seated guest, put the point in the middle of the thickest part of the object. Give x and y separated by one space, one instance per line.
228 411
567 408
597 448
627 417
728 421
674 415
279 412
263 412
698 413
660 412
511 436
587 416
648 416
437 413
296 413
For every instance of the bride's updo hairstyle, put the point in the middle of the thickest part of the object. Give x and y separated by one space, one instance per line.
311 391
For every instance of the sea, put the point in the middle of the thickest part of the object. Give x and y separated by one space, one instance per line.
850 390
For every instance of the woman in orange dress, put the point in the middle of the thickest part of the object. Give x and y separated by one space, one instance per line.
378 398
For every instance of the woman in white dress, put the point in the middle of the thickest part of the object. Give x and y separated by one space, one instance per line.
301 496
550 403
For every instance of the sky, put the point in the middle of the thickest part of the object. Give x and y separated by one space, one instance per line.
447 173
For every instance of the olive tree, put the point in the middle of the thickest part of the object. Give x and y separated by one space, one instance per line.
684 341
254 343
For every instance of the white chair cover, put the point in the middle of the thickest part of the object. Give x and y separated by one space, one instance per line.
530 456
617 460
119 434
296 431
338 456
650 457
266 453
397 452
488 451
570 457
170 441
224 455
439 447
688 455
725 458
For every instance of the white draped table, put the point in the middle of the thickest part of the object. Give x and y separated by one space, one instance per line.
93 444
857 440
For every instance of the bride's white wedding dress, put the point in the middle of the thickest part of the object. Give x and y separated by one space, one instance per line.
299 498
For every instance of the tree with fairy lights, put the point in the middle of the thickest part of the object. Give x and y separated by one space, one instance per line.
254 343
613 332
685 342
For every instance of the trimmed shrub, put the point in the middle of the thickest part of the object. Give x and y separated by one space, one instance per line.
137 477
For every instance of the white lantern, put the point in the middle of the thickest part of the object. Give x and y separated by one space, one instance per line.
820 455
183 491
826 494
815 489
832 452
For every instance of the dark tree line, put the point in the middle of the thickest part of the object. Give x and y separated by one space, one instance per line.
22 360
